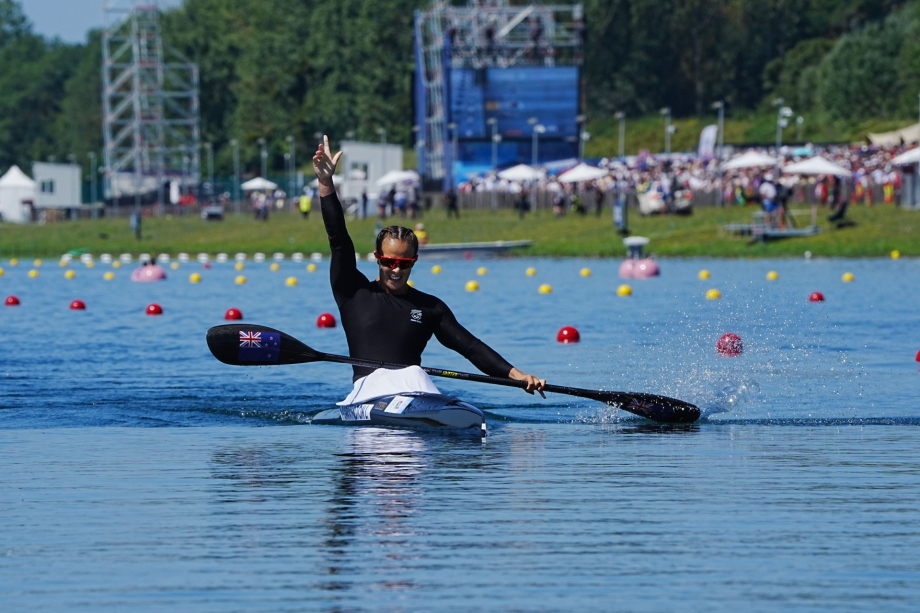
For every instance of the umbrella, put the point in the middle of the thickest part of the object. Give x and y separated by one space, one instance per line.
908 157
398 176
521 172
582 172
750 159
258 183
816 166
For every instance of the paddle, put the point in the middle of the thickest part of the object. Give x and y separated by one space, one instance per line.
253 345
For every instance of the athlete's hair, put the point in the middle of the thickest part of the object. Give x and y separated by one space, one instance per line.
397 233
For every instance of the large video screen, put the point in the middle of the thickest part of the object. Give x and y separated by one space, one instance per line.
513 96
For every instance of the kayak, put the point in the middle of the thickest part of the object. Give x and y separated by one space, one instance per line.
416 410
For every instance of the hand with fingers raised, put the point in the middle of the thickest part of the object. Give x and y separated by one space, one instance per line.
324 166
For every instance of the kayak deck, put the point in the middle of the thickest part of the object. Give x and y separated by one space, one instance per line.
416 410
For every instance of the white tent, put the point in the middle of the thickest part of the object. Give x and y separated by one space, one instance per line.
336 180
907 158
258 184
582 172
750 159
17 191
398 176
816 166
910 134
521 172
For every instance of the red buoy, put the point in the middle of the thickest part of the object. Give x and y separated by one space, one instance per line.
207 265
326 320
816 297
468 255
918 356
568 334
233 314
12 301
730 345
154 309
78 305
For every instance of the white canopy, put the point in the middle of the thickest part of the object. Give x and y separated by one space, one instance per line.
14 177
582 172
336 180
521 172
258 183
398 176
16 188
750 159
816 166
908 157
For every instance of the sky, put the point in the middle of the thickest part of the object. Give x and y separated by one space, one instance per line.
70 20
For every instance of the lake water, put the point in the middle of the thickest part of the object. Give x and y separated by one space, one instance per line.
138 473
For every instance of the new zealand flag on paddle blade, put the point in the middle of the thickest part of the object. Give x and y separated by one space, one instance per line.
256 346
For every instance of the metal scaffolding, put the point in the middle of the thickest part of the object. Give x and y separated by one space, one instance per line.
482 34
150 105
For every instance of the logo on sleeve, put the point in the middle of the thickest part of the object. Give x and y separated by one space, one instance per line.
415 315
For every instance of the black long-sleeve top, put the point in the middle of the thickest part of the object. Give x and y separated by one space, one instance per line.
390 328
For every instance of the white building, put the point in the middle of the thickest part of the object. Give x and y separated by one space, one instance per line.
363 163
18 195
59 185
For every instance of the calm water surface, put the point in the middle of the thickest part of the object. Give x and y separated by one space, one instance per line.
141 474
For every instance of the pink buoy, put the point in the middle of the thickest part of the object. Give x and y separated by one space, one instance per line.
568 334
730 345
147 273
12 301
78 305
636 266
816 297
154 309
233 314
326 320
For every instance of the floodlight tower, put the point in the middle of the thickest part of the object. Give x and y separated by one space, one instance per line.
151 128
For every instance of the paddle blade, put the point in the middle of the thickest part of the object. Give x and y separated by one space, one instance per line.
253 345
662 409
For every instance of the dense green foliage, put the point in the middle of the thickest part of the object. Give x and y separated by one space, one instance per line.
296 67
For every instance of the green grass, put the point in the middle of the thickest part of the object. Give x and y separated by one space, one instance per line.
877 232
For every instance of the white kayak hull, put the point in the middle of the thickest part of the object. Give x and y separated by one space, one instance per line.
416 410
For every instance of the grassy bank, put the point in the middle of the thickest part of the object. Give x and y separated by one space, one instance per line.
877 232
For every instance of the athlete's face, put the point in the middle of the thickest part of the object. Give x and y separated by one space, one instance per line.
394 280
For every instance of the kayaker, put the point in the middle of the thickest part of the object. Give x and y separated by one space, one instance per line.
385 319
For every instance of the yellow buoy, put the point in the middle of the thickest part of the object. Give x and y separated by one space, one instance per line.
895 255
37 263
239 266
410 283
69 274
240 280
624 290
546 288
116 264
472 286
704 275
713 294
14 262
435 270
531 271
1 272
290 281
63 263
108 276
174 265
89 263
311 267
274 267
481 271
195 277
847 277
772 275
585 272
33 273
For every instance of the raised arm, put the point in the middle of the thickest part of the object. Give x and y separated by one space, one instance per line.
343 271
